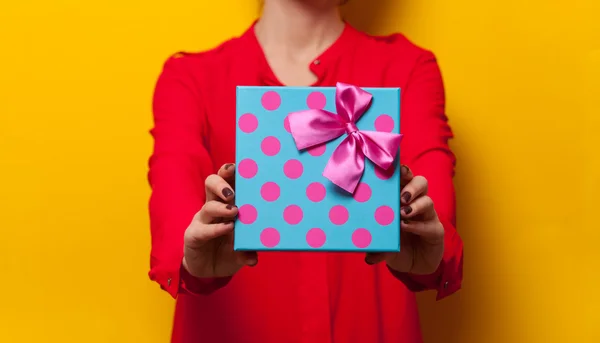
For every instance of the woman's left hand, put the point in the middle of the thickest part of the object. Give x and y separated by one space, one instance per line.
421 232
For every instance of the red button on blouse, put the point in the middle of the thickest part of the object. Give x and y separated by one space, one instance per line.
293 297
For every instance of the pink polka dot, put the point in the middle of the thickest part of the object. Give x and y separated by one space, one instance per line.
315 192
270 146
293 214
286 124
316 237
248 123
361 238
362 193
270 191
269 237
384 123
317 150
338 215
247 168
316 100
247 214
385 174
293 169
384 215
271 100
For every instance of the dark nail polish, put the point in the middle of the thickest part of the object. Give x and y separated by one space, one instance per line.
405 221
404 169
406 196
407 209
367 261
227 192
229 207
228 165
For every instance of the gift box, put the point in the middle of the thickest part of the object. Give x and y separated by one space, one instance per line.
317 169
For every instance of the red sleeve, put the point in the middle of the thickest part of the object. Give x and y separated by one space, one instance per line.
428 154
177 169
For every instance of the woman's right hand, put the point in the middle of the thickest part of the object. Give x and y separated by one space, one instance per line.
208 241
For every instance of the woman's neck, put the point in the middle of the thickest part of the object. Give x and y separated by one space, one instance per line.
298 29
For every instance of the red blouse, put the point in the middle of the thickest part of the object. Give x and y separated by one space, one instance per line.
293 297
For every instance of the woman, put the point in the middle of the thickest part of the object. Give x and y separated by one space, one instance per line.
226 296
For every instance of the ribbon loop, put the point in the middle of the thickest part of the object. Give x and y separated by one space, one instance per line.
347 163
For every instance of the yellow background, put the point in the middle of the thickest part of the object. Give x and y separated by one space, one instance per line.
76 78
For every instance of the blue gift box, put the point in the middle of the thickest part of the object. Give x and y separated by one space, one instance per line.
285 203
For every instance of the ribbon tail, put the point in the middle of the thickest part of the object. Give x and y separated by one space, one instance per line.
346 165
381 148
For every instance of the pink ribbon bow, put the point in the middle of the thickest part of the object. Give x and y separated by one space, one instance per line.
347 163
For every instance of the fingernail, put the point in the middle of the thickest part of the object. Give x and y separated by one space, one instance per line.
227 192
404 169
228 165
405 221
407 209
252 263
229 207
406 196
368 261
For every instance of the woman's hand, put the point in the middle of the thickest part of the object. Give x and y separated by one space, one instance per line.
208 241
421 232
